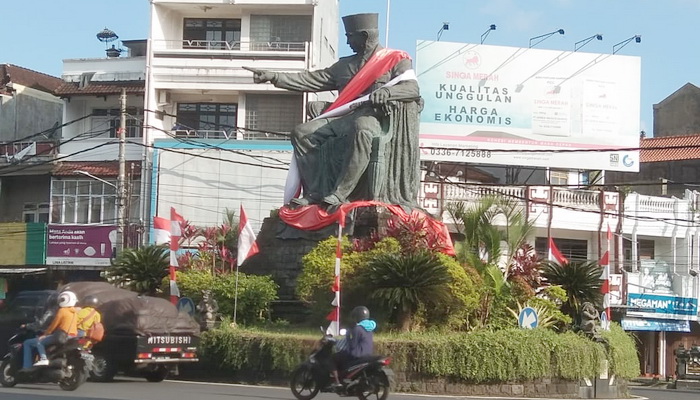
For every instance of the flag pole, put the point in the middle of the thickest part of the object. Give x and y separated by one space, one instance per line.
235 297
338 256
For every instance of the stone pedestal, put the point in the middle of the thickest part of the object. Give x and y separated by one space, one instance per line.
281 258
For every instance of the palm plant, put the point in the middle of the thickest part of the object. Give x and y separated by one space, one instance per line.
580 280
406 282
141 270
485 242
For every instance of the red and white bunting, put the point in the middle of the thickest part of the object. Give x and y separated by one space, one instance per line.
176 222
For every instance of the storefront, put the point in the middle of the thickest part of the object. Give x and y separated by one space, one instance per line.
661 311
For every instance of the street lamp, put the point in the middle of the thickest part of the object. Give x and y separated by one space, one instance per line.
545 36
618 46
89 175
492 27
587 40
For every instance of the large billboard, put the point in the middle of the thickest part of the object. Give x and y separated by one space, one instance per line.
528 107
84 245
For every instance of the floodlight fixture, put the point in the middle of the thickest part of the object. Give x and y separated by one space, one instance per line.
587 40
545 36
445 27
492 27
618 46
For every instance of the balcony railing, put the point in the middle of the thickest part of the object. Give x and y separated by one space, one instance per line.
204 134
222 45
42 149
226 135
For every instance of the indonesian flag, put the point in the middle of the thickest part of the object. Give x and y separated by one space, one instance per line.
555 254
246 239
161 230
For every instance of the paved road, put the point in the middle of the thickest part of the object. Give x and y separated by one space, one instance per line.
137 389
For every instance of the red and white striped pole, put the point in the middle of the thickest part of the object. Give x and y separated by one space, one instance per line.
605 276
175 234
334 316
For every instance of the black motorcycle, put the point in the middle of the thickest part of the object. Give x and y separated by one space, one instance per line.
69 363
366 378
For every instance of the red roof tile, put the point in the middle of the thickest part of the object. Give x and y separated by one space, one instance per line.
27 77
104 88
671 148
98 168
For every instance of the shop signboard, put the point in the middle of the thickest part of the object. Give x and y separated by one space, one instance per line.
656 292
84 245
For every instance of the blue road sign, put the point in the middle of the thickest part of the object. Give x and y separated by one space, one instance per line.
186 304
528 318
604 323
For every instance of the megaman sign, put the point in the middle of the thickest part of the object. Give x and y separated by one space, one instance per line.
530 107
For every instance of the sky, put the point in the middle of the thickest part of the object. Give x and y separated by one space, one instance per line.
40 34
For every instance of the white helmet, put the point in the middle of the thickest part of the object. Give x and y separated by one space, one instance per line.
67 299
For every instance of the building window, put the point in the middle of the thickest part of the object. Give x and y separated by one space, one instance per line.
210 120
572 249
280 32
272 113
203 33
91 202
105 122
558 178
34 212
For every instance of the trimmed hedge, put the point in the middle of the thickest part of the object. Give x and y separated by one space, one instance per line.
477 357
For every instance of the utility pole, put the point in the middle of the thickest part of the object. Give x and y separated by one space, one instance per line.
121 179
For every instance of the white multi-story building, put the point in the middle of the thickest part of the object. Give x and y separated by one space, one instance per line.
199 95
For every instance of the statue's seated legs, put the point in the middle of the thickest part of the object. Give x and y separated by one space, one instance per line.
331 172
366 129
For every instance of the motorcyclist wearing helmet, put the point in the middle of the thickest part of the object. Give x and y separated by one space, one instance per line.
63 325
359 341
88 314
47 315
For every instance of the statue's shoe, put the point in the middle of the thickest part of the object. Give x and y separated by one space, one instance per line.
299 202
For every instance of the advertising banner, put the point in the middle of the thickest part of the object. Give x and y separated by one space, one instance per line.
656 292
502 105
88 245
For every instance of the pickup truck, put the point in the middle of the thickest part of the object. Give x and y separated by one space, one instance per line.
144 336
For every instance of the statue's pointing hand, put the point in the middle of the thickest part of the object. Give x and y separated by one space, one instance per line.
261 76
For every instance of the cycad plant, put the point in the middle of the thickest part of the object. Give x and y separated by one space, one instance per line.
406 282
580 279
141 270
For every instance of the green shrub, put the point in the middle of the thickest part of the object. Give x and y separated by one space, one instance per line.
315 281
623 352
476 357
255 293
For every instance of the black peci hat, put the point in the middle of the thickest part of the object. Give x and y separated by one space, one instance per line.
361 22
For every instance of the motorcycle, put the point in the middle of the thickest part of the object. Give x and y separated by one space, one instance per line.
69 363
365 378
